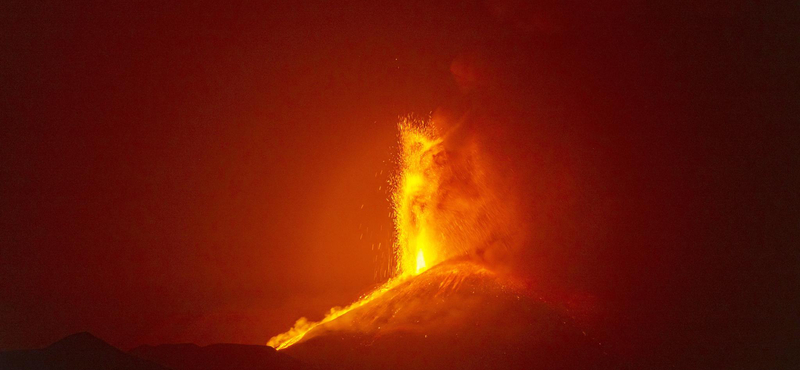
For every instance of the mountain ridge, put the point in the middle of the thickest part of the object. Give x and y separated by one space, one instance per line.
84 351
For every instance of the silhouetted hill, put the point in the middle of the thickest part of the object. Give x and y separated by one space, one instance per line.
82 341
81 351
218 357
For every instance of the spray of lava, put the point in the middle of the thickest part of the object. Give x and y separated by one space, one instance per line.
415 190
443 208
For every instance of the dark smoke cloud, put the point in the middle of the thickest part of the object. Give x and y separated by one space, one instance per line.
640 166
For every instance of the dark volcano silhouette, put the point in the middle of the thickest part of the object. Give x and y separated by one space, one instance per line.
454 316
81 351
218 357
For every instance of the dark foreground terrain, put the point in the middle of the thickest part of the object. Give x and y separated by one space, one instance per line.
83 351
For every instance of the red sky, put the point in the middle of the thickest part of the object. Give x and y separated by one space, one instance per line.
196 173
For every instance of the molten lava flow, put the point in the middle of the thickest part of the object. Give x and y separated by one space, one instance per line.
443 209
303 326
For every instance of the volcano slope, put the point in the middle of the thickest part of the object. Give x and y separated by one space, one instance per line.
456 315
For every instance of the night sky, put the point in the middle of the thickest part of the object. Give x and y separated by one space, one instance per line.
211 171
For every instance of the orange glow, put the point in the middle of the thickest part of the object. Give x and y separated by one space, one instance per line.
443 209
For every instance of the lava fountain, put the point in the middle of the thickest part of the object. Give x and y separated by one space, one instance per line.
445 209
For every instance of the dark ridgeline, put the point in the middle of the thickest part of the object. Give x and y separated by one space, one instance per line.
226 356
83 351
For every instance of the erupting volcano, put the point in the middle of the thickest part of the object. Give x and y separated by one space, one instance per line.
452 229
441 211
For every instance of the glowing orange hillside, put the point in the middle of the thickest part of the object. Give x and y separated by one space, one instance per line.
455 315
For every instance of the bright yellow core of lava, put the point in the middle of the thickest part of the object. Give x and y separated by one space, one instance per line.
415 249
417 183
420 261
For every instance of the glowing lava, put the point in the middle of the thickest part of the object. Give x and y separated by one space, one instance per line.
420 262
422 228
414 195
449 303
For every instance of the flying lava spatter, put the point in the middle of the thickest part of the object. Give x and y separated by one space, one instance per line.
415 189
425 235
